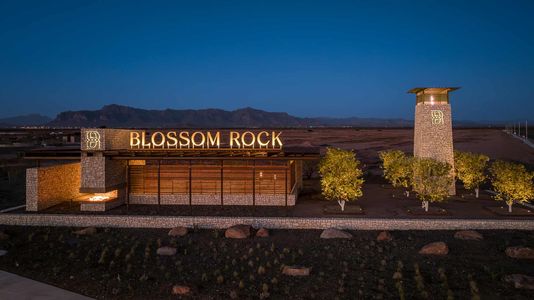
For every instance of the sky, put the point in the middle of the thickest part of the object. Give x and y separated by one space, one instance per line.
307 58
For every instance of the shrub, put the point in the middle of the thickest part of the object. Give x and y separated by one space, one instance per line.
341 176
470 169
431 180
512 182
397 168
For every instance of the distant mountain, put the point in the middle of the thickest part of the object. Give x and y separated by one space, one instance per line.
125 117
25 120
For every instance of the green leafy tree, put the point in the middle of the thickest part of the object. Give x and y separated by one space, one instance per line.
512 182
431 180
341 176
397 168
470 169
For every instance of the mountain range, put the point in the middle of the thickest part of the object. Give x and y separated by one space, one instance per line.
126 117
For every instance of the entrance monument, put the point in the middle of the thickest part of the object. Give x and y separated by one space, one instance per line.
433 125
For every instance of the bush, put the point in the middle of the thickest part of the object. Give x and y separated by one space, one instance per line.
397 168
341 176
431 180
470 169
512 182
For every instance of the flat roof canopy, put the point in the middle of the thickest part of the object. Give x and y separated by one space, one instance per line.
60 153
432 90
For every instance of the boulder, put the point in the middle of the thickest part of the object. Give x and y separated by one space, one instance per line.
86 231
166 250
520 252
436 248
520 281
296 271
178 231
3 236
180 290
468 235
384 236
238 232
332 233
262 232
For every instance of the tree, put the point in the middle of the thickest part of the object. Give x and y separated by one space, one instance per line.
341 176
512 182
431 180
397 168
470 169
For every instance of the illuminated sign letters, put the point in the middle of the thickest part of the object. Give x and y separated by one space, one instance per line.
437 117
92 139
205 140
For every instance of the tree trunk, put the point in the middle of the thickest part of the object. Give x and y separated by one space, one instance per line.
476 192
509 207
342 204
425 205
407 194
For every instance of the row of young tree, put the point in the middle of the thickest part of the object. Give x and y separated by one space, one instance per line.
431 179
342 176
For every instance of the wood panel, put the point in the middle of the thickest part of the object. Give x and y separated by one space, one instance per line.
174 179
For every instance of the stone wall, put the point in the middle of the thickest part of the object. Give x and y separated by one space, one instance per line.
213 199
267 222
101 174
51 185
434 139
108 139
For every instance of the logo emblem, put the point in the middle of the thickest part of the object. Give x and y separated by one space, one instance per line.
437 117
92 139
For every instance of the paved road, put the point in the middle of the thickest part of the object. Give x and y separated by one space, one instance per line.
17 287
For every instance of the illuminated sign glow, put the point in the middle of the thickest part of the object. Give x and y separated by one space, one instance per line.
92 139
205 140
437 117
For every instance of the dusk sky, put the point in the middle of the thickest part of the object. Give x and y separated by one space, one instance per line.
307 58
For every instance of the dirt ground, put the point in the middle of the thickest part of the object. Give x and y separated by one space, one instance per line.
123 264
368 142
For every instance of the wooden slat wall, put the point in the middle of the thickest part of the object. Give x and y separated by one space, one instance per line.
206 179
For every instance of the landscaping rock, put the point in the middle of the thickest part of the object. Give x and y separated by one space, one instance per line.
468 235
180 290
296 271
86 231
3 252
3 236
520 252
178 231
520 281
332 233
238 232
262 232
384 236
436 248
166 250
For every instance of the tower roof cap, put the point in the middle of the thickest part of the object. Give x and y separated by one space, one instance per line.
433 90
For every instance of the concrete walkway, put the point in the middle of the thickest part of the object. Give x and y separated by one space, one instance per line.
16 287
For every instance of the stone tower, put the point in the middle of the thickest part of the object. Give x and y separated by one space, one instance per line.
433 125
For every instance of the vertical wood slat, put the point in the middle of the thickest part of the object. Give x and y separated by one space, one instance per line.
207 179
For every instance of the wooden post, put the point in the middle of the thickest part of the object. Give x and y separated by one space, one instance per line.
127 189
222 182
254 187
286 185
159 184
190 192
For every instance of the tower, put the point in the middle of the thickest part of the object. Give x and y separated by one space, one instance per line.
433 125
